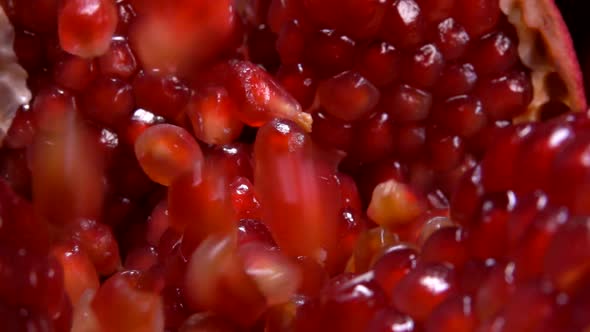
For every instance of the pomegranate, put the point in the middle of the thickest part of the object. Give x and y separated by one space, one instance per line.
293 165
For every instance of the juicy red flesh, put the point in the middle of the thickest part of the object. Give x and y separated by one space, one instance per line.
287 165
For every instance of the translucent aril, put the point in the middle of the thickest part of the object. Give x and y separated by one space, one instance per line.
215 280
211 111
66 163
277 277
295 202
348 95
200 205
260 98
79 273
120 306
166 152
175 36
85 27
394 203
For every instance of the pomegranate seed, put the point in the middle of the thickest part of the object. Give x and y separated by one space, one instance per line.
165 96
455 80
404 24
349 305
86 27
494 54
74 73
448 244
462 115
408 104
452 39
281 145
478 17
244 199
290 43
206 322
331 132
393 265
166 152
424 288
300 82
115 306
507 96
347 96
79 273
379 63
118 61
495 291
329 53
215 272
370 246
211 112
374 137
424 67
260 98
390 319
394 203
108 101
455 314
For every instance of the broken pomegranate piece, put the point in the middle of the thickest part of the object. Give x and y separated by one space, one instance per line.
292 165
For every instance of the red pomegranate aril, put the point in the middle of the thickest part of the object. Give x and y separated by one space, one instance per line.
407 104
331 132
539 306
497 165
252 230
294 203
422 69
179 36
374 137
275 275
215 273
379 63
455 314
79 272
67 166
282 11
455 80
27 20
165 96
358 18
86 27
411 140
495 291
290 43
404 24
119 61
393 265
371 175
166 152
42 289
391 320
446 151
211 112
566 262
74 73
349 305
529 255
329 53
300 81
244 199
423 289
451 39
140 120
116 307
571 172
494 53
478 17
488 238
141 258
448 244
536 154
462 115
507 96
99 243
347 96
235 159
200 204
157 223
260 98
108 101
370 246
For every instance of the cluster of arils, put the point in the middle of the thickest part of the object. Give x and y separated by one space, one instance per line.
295 165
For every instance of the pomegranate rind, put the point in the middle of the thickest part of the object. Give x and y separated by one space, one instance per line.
545 46
13 78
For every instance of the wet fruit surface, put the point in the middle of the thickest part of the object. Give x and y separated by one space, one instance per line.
295 165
